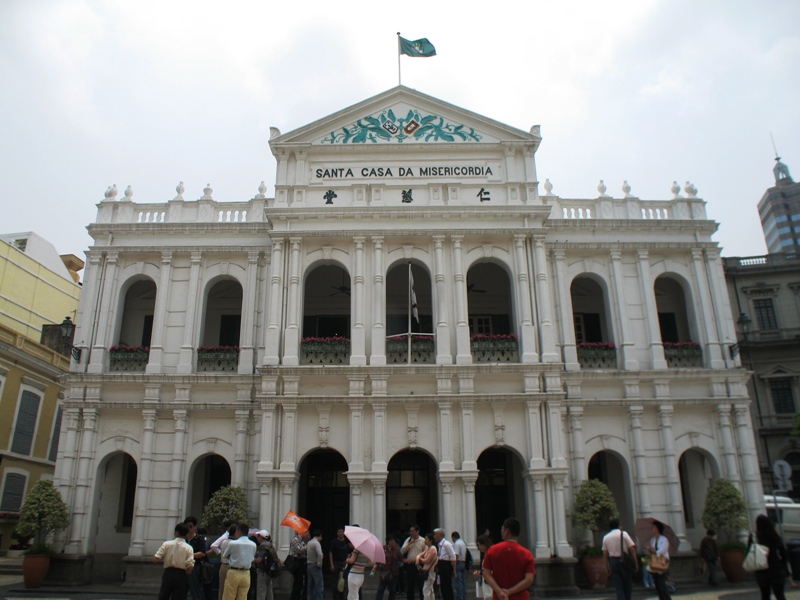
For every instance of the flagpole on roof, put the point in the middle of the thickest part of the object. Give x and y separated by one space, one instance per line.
399 49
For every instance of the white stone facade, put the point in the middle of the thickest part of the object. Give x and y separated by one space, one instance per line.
658 421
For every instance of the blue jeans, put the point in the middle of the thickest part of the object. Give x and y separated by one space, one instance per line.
647 577
461 586
314 584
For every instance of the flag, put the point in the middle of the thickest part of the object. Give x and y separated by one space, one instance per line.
421 47
299 524
412 294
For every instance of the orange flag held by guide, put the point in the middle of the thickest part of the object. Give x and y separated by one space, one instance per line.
299 524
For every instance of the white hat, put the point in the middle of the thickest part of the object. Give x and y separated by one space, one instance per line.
263 533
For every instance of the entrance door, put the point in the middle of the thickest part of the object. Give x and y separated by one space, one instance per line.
410 492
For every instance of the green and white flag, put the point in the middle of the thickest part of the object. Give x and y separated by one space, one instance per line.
421 47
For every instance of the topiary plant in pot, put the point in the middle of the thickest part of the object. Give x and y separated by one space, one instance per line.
227 503
726 511
42 514
593 508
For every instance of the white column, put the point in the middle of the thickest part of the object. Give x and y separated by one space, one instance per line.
579 473
356 481
272 337
564 303
470 526
537 513
87 311
647 289
357 335
266 464
378 342
288 441
747 458
463 351
291 336
356 437
380 436
535 447
160 315
563 549
144 481
625 343
469 457
719 299
240 448
449 520
177 484
673 482
444 355
527 337
79 534
64 475
288 499
379 508
445 436
103 337
635 414
186 361
557 450
247 342
728 448
708 316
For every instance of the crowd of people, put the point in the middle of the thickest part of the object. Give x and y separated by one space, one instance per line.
417 568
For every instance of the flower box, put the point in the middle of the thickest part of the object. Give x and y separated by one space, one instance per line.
218 359
128 358
423 349
494 348
597 355
683 355
325 351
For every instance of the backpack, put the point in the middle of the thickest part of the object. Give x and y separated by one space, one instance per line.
468 562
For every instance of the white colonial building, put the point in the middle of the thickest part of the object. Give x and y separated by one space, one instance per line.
555 340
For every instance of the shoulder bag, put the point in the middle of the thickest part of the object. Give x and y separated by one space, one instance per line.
757 557
658 564
628 563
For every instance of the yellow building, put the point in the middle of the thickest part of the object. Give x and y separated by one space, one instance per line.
37 288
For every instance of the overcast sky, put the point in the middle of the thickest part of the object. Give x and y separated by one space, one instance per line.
151 93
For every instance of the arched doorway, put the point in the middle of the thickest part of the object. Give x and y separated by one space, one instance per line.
136 326
326 316
409 310
610 468
115 496
499 491
411 492
324 497
697 472
209 474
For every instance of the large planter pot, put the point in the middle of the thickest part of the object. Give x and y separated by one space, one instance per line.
731 561
34 569
596 571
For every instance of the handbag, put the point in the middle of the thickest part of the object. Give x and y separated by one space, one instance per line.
628 563
757 557
340 582
206 573
290 563
658 564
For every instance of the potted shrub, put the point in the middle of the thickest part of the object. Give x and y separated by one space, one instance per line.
226 503
726 511
594 507
42 514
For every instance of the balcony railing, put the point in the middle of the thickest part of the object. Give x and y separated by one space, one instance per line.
681 355
128 358
495 348
423 350
597 355
325 351
219 359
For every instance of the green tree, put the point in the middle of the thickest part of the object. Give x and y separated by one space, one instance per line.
43 513
725 508
227 503
594 506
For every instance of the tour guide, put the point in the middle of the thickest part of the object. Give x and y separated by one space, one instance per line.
240 554
508 568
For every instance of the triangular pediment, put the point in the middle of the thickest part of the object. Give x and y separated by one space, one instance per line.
402 116
780 372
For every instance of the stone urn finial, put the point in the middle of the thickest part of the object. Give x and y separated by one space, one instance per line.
675 189
112 192
207 191
626 189
262 189
690 190
179 189
601 187
548 187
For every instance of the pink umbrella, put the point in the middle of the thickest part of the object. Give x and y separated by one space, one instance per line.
366 543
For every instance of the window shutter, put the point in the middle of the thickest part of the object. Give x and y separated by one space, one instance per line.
12 493
56 437
26 423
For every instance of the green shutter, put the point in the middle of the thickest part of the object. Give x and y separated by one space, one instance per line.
26 423
12 493
56 437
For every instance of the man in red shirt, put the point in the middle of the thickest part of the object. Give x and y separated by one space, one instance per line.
508 568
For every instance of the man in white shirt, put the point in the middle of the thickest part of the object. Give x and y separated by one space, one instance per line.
615 542
461 565
412 547
240 554
314 557
447 564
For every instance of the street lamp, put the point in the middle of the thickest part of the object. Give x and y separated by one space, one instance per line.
744 323
67 331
